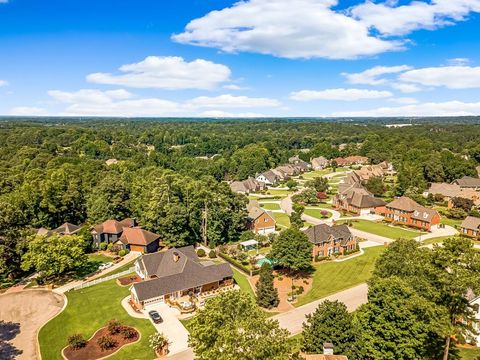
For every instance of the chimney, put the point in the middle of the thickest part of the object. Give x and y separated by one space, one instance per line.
327 348
134 222
176 256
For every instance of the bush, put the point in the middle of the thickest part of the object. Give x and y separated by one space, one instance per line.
321 258
127 332
76 341
212 254
157 341
103 246
201 253
122 252
106 342
110 247
114 327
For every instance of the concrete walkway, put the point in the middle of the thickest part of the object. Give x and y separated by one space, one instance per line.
293 319
438 232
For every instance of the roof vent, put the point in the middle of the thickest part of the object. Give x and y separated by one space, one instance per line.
176 256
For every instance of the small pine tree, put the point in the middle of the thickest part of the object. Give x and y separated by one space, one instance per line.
267 294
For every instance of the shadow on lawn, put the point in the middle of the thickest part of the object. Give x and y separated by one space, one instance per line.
8 331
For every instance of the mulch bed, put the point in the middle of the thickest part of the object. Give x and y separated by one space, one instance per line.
129 280
93 352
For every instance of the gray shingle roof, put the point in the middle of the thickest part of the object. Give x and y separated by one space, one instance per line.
471 222
320 234
468 181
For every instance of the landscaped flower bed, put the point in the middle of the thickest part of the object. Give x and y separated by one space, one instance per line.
105 342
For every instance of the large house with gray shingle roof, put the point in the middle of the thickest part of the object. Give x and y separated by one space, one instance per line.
330 240
177 272
356 199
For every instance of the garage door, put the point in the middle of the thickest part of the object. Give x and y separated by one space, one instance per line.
138 248
153 301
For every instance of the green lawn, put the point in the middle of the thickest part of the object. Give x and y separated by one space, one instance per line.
88 310
332 277
270 206
436 240
451 222
316 213
469 354
242 281
279 192
312 174
282 219
381 229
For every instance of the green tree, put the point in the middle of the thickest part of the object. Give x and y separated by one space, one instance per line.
291 184
232 326
331 322
319 184
267 294
375 186
54 255
250 160
307 196
292 250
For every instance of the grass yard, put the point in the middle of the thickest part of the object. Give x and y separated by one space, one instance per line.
381 229
242 281
279 192
270 206
436 240
451 222
282 219
469 353
88 310
332 277
316 213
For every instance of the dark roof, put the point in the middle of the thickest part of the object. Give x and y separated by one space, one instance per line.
468 181
184 274
163 264
67 229
320 234
356 195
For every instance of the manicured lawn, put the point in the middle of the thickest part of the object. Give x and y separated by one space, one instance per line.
242 281
381 229
332 277
469 354
436 240
282 219
316 213
451 222
99 258
279 192
88 310
270 206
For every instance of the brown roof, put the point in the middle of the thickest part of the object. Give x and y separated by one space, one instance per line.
356 158
67 229
255 211
138 236
322 233
471 222
468 181
356 195
444 189
408 205
113 226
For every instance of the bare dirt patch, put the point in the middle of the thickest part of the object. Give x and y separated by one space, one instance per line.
27 311
124 281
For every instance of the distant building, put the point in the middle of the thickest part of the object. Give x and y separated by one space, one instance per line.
468 182
319 163
330 240
111 162
64 229
470 227
357 200
138 239
405 211
247 186
110 230
268 177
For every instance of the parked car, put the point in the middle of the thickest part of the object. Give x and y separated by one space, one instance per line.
117 259
155 316
105 266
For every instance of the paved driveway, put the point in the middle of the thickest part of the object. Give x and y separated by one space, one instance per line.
23 313
293 319
171 327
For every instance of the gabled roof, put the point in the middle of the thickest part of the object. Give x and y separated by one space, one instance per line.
471 222
468 181
356 195
164 264
255 211
418 211
319 161
113 226
138 236
67 229
320 234
444 189
270 176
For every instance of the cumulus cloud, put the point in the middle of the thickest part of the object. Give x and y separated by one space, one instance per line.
390 19
3 82
459 61
28 111
452 77
405 88
449 108
373 76
305 29
234 87
339 94
167 72
231 101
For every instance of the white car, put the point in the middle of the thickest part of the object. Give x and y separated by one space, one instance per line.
105 266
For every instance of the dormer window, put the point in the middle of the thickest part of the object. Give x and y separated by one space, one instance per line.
416 213
425 215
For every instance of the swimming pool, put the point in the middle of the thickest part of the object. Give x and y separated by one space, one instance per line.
264 261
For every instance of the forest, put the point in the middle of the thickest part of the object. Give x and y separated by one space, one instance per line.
167 173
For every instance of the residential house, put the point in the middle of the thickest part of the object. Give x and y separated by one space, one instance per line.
288 170
260 221
247 186
138 239
468 182
64 229
356 160
170 275
340 161
358 200
470 227
298 163
450 191
405 211
110 231
268 177
329 240
111 162
319 163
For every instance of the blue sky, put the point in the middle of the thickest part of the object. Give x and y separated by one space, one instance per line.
251 58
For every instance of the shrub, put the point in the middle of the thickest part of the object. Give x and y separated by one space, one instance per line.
157 341
201 253
114 327
212 254
106 342
76 341
103 246
127 332
110 247
122 252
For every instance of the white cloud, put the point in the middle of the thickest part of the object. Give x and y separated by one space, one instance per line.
405 88
3 1
339 94
90 96
224 114
303 29
28 111
459 61
373 75
231 101
404 100
3 82
390 19
452 77
234 87
167 72
449 108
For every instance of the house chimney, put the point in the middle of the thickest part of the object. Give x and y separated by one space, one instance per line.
134 222
176 256
327 349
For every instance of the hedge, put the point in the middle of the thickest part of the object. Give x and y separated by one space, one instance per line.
239 265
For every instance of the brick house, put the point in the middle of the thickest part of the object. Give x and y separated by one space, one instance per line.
356 199
259 220
170 275
470 227
138 239
329 240
405 211
110 231
247 186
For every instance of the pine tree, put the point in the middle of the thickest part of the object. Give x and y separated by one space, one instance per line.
267 294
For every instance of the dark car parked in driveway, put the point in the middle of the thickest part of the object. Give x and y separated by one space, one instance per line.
155 316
